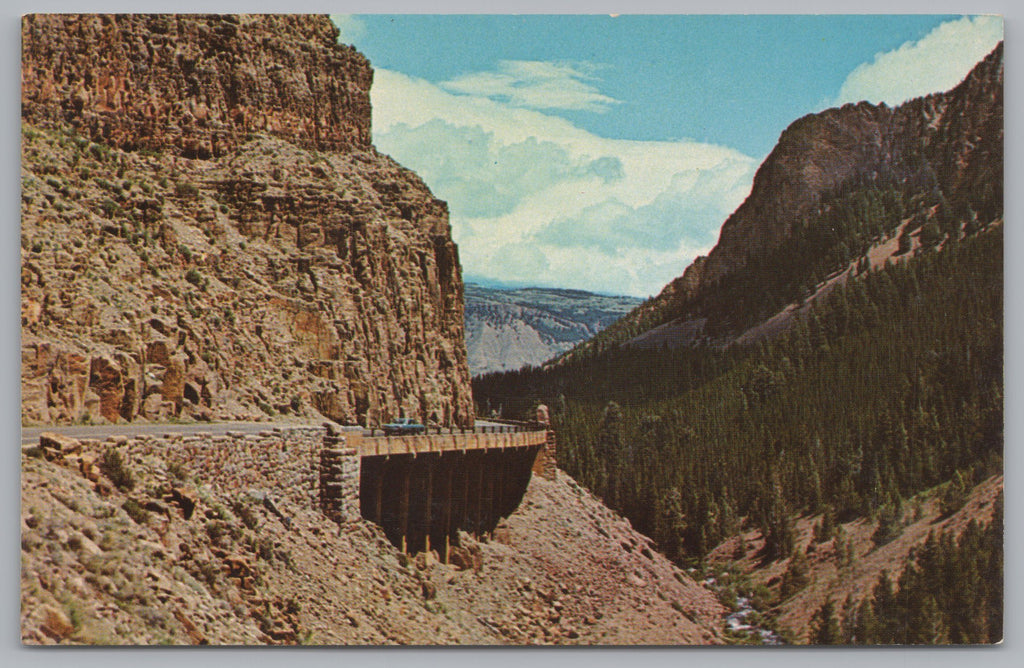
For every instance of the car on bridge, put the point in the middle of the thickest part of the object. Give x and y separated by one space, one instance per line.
403 427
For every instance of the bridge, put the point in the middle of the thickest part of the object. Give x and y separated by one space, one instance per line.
424 489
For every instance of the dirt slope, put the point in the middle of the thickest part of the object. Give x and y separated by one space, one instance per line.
561 569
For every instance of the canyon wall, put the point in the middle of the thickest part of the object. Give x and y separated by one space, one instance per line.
207 231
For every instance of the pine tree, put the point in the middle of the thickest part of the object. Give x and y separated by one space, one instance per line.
825 629
886 611
928 627
867 631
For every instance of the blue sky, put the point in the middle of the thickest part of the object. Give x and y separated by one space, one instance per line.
604 153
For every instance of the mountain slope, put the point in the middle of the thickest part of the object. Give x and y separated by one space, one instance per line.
837 184
864 379
563 569
509 329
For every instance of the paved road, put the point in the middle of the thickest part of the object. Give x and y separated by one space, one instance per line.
30 435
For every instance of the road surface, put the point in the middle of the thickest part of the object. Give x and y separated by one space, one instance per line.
30 435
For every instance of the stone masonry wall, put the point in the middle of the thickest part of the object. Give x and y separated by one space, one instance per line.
283 463
339 480
303 466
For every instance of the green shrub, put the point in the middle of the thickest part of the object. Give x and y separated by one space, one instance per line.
185 189
176 470
115 468
109 208
138 514
246 513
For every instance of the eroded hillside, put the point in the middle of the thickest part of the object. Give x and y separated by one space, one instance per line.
509 329
173 559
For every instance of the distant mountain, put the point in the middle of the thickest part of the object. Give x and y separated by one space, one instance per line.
509 329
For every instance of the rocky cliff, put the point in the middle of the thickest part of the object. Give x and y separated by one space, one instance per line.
197 85
958 134
208 232
933 159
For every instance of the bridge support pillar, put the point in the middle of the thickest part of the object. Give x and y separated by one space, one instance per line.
546 462
428 507
446 513
478 501
403 508
339 482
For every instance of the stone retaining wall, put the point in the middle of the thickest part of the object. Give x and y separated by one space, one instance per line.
283 462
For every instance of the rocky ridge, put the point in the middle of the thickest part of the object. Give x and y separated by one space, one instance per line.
509 329
959 133
278 268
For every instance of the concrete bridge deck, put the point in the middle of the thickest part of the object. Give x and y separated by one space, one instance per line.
378 446
424 489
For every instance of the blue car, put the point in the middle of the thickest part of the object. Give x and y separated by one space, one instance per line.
403 427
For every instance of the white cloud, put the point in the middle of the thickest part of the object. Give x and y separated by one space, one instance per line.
535 85
351 28
535 199
937 62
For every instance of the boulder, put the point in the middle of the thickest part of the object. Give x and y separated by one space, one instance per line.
59 443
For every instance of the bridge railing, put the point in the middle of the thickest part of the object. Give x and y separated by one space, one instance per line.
427 443
504 427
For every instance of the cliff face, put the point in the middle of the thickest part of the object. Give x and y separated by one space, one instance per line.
207 231
958 133
197 85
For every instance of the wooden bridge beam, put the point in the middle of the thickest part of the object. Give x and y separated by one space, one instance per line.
428 506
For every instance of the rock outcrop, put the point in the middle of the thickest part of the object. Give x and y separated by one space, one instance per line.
207 231
958 133
197 85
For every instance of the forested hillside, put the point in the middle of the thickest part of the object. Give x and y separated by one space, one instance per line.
833 367
950 592
894 385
